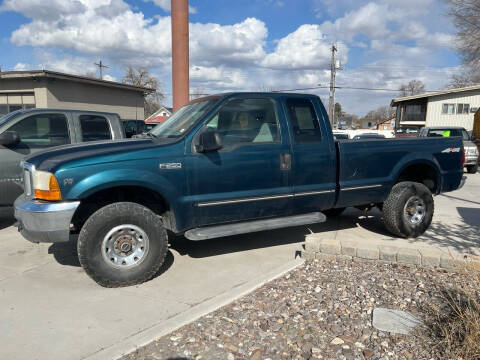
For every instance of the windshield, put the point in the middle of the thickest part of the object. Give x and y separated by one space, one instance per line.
7 117
182 120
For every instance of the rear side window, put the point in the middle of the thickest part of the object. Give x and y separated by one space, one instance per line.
304 120
94 128
43 130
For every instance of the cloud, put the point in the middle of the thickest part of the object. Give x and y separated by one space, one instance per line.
70 35
166 6
43 10
59 62
305 48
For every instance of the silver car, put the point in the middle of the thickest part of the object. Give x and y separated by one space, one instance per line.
471 151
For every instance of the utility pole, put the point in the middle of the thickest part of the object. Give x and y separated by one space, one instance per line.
333 70
101 66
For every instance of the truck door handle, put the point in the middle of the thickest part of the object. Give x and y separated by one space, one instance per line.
285 161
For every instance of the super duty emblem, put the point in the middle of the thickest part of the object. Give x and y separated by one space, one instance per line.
170 166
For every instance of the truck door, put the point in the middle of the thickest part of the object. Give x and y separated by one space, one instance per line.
313 156
249 177
37 132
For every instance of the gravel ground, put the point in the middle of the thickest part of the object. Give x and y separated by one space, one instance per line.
320 310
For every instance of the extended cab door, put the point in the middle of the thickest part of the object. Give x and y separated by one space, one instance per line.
95 127
249 177
313 155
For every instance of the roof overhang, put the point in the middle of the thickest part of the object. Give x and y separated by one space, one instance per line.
75 78
432 94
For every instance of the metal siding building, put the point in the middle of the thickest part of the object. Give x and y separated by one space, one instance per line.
48 89
454 107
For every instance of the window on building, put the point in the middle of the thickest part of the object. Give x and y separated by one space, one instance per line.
304 120
448 109
43 130
3 110
463 108
14 107
94 128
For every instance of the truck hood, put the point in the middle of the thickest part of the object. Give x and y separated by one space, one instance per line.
50 160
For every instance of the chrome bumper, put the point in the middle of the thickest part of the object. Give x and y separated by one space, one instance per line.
43 221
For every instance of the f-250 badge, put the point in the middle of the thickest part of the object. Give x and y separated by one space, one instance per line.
170 166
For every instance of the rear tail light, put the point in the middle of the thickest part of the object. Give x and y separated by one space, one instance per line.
463 157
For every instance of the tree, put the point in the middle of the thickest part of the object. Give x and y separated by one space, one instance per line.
338 111
466 17
143 78
414 87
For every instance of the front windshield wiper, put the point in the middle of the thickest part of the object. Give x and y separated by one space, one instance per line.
151 135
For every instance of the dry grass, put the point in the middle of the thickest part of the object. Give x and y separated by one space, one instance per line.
454 322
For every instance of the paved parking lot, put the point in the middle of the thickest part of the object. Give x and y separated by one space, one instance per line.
52 310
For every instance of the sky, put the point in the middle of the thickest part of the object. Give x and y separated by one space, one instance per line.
242 45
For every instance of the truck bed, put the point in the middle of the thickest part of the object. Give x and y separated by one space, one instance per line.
367 169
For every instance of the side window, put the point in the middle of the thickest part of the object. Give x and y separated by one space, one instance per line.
246 121
94 128
43 130
304 121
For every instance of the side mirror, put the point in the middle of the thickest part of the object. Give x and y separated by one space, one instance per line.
209 140
9 138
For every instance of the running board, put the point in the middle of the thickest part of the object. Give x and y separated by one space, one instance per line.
211 232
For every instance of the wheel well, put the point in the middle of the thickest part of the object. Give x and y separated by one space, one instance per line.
421 173
137 194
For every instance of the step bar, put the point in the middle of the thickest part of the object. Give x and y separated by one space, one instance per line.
212 232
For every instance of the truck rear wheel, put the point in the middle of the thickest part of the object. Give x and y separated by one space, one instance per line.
122 244
408 210
472 169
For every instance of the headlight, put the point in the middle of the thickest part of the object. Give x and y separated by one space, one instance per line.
472 151
45 186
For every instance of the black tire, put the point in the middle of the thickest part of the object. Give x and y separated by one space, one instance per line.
396 215
472 169
90 245
331 213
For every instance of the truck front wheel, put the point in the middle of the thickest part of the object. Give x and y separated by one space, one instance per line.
122 244
408 210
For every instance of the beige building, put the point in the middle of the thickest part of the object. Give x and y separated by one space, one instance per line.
49 89
454 107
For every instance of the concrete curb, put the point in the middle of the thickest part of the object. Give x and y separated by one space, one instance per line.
132 342
326 246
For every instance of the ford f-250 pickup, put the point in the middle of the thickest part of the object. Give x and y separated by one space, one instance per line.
224 165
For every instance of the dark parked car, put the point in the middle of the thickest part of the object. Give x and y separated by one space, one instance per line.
225 165
368 136
406 132
341 136
134 127
25 132
471 150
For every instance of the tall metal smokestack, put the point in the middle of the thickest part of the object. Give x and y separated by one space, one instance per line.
180 53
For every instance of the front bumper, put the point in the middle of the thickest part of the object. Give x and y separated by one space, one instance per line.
471 160
43 221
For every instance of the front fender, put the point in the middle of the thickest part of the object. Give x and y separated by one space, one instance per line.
123 177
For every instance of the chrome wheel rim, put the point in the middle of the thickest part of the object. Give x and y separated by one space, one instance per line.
125 246
414 210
